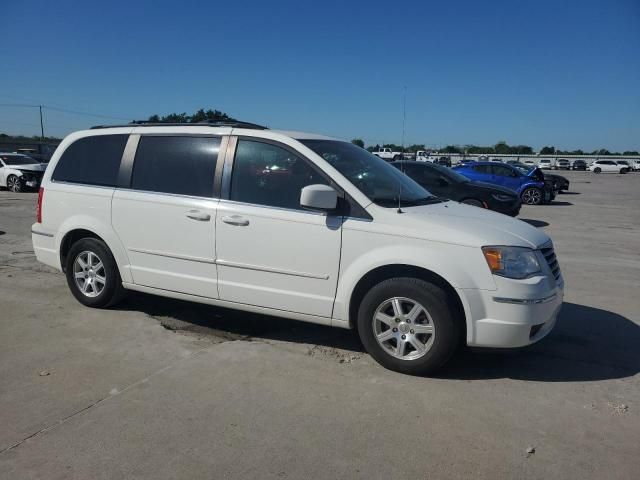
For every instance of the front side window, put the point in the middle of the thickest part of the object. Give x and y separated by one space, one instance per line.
502 171
91 160
266 174
182 165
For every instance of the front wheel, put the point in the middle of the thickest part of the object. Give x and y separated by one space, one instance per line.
92 274
406 325
623 170
597 170
13 184
532 196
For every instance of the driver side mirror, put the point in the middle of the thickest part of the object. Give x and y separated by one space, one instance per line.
319 197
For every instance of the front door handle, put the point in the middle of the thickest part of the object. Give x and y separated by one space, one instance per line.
198 215
236 220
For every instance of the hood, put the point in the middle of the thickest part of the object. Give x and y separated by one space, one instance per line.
32 167
494 188
452 222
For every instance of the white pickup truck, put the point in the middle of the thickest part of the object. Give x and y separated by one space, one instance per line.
387 154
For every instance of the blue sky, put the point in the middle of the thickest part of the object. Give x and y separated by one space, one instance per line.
565 73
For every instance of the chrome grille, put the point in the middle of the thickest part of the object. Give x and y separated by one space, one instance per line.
552 261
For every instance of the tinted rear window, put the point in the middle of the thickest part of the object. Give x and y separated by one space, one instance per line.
183 165
91 161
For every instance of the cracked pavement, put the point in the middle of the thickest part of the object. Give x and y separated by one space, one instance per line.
160 388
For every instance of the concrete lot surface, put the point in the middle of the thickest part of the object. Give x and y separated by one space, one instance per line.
163 389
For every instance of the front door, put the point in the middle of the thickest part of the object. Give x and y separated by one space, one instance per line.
505 176
270 251
166 219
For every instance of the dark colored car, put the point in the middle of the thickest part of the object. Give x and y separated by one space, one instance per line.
446 183
444 161
558 182
530 186
579 165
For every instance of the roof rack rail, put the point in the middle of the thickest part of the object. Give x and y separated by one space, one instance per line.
210 123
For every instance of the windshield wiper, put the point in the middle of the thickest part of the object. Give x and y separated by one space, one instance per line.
405 202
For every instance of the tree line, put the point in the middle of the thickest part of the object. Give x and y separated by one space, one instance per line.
500 148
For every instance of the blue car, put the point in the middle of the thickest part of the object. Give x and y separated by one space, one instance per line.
530 185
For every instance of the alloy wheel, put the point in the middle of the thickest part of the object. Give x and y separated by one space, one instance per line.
532 196
403 328
13 184
89 274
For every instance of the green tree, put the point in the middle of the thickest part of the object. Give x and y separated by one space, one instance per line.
201 115
630 152
451 149
502 148
548 151
414 148
358 141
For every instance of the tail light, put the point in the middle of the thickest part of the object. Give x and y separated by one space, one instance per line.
39 205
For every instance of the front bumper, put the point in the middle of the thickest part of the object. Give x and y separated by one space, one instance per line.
506 318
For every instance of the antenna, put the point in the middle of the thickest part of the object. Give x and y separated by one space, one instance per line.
404 118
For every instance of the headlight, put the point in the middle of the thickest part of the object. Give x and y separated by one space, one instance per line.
501 197
511 262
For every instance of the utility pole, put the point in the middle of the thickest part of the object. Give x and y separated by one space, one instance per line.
41 124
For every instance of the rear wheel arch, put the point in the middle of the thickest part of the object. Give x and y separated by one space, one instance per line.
386 272
72 237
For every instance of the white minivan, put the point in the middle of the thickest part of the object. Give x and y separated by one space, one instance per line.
295 225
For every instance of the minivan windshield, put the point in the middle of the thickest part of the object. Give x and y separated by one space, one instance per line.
379 181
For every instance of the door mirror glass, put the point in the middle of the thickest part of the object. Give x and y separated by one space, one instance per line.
319 197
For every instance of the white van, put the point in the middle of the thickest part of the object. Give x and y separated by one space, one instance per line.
295 225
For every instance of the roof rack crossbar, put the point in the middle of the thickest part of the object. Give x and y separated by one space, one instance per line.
210 123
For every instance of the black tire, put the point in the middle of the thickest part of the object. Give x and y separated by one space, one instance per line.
473 201
597 170
441 310
623 170
112 291
13 184
532 196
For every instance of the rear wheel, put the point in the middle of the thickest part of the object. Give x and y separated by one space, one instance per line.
92 274
13 184
473 201
532 196
407 325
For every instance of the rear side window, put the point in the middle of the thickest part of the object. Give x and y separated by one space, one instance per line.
183 165
91 161
481 168
502 170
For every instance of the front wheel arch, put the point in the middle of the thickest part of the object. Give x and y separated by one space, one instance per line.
380 274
